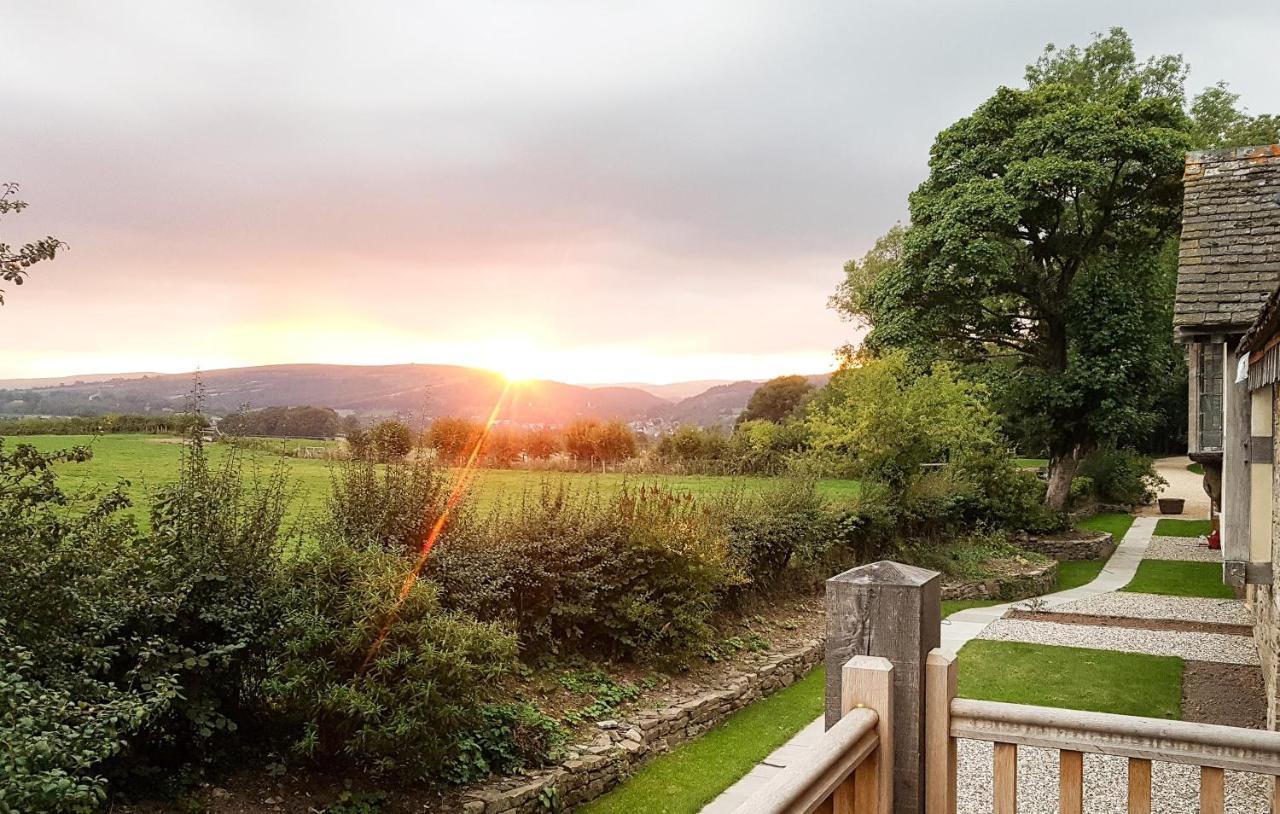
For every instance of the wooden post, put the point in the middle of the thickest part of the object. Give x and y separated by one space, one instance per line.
894 611
1236 406
868 682
939 746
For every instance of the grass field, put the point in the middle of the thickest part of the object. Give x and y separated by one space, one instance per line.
1072 678
1178 578
148 462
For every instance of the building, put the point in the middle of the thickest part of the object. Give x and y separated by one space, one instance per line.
1227 311
1229 264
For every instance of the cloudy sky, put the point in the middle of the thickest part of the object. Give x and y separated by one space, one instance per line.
591 191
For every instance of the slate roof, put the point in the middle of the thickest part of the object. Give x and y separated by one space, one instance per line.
1229 258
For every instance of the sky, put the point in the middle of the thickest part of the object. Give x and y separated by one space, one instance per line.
585 191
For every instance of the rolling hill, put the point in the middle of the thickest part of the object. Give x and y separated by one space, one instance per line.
420 391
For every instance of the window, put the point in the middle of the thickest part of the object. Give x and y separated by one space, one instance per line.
1209 390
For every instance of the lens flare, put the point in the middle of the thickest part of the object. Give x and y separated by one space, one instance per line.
462 482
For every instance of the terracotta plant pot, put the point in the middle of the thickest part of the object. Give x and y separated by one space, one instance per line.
1171 505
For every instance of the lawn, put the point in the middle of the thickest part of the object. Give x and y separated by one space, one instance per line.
1177 578
1115 522
1031 463
1169 527
150 461
1074 573
1072 678
691 775
1196 469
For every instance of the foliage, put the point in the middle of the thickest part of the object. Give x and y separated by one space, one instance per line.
607 695
16 260
777 399
1036 246
454 438
770 528
881 420
392 506
510 737
373 671
288 422
637 572
175 424
384 442
761 447
118 645
590 440
1121 476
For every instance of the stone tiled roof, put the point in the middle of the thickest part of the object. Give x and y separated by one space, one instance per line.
1229 260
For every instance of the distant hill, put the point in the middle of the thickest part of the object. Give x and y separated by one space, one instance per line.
57 381
671 392
423 391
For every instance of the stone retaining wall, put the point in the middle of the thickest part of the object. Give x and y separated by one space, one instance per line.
1034 582
1075 545
622 746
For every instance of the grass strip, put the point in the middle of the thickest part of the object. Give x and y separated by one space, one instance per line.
693 774
1071 678
1178 578
1170 527
1074 573
1115 522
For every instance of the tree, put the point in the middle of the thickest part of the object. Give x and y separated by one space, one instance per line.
542 442
881 419
389 441
454 438
15 261
1034 244
615 442
777 399
580 436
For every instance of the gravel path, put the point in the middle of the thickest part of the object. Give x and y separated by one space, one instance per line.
1155 606
1174 789
1194 646
1190 549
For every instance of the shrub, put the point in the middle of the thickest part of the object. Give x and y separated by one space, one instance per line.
373 671
1121 476
509 737
118 645
393 505
636 572
767 530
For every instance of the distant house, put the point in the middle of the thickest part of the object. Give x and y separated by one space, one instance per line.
1229 264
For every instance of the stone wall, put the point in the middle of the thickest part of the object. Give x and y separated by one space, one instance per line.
620 747
1035 581
1071 545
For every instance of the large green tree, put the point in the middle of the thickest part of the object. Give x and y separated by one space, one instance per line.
1035 244
777 399
15 261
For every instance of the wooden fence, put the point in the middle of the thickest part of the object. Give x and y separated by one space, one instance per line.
854 770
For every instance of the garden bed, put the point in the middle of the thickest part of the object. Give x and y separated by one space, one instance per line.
1077 544
1009 579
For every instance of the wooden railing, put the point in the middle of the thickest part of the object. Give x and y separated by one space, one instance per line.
851 769
1214 749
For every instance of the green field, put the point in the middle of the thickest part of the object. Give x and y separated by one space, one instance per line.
149 461
1172 527
1179 578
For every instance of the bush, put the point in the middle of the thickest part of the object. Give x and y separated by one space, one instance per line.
372 670
1121 476
393 506
634 573
509 738
768 530
120 653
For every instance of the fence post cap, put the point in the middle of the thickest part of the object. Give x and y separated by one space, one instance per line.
886 572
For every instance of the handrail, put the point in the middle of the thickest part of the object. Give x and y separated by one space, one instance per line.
1223 747
803 786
